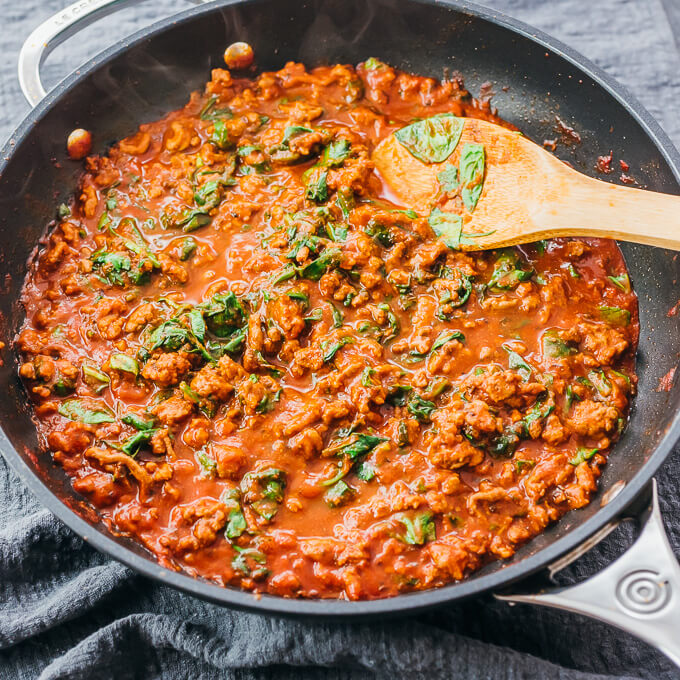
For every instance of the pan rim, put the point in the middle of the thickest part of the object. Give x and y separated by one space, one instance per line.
335 608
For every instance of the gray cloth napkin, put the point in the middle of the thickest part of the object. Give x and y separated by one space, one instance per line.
68 612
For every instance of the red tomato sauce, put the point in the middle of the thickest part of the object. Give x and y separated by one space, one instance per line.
249 359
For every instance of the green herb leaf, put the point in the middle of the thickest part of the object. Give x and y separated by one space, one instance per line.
366 376
516 362
600 381
555 347
138 423
139 439
96 379
622 282
112 266
448 178
521 464
208 465
268 402
339 494
419 530
372 64
582 455
420 408
236 524
335 153
317 268
223 313
615 315
240 562
317 188
198 327
365 471
331 350
294 131
539 411
446 336
220 135
75 409
448 226
337 316
189 246
472 167
362 444
573 272
508 272
398 395
431 140
209 112
125 363
300 297
504 444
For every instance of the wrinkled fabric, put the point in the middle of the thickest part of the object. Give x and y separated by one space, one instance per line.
68 612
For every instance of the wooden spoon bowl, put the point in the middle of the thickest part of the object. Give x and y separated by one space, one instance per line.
527 194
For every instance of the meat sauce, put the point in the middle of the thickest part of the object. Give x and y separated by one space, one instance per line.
249 359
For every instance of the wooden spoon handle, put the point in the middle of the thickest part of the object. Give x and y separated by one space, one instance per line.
591 207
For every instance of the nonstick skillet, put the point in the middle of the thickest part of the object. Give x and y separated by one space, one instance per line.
536 80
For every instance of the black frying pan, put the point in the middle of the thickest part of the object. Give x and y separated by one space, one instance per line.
535 78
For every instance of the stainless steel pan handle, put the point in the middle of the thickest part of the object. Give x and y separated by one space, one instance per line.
639 592
55 31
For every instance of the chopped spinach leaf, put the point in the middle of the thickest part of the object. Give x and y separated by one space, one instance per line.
419 530
372 64
220 135
448 178
472 166
446 336
420 408
75 409
365 471
189 246
516 362
508 272
138 423
96 379
317 268
337 315
582 455
136 441
600 381
521 464
621 281
339 494
615 315
398 395
317 188
335 153
125 363
361 444
330 350
240 562
555 347
209 112
268 402
431 140
448 226
223 314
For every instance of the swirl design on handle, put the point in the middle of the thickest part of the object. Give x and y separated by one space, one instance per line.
643 592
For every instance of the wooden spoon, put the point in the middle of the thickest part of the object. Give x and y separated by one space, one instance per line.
527 194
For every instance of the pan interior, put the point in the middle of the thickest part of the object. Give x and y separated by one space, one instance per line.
532 86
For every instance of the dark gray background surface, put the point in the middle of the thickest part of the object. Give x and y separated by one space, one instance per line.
68 612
